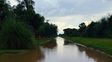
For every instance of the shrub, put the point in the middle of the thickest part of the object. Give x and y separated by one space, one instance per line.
15 35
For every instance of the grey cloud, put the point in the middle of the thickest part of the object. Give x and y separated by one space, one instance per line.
50 8
70 13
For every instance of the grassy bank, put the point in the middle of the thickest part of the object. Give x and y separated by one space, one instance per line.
42 41
102 44
36 43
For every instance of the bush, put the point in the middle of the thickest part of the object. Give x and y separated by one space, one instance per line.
15 35
47 30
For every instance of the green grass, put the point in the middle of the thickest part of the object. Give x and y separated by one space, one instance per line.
36 43
42 41
102 44
13 51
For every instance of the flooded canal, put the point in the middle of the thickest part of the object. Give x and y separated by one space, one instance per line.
57 52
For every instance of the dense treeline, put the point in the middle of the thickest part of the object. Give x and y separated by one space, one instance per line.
24 12
47 30
20 24
102 28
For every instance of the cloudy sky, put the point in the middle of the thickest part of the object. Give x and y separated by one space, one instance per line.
70 13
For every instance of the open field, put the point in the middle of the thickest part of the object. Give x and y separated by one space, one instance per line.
102 44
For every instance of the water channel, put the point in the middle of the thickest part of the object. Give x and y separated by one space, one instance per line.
58 52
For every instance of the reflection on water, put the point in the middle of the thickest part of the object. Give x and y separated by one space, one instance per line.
72 53
57 53
65 53
60 41
50 44
97 56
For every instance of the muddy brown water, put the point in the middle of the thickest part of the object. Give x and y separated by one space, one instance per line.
57 52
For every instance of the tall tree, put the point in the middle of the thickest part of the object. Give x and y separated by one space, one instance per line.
82 28
3 9
25 11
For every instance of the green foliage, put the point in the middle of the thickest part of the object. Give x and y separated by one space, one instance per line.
25 12
19 23
102 28
70 32
28 16
36 21
103 44
3 10
15 35
47 30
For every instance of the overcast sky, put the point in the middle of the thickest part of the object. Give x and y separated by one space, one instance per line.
70 13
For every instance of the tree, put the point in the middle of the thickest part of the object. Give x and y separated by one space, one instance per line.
82 28
3 9
15 35
28 15
47 30
71 32
109 26
20 23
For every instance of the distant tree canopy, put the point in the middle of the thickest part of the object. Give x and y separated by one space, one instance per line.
3 10
24 12
18 24
48 30
71 32
102 28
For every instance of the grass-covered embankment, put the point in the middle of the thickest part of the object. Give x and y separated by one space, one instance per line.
42 41
36 43
102 44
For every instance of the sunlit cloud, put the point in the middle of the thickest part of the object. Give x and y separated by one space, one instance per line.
73 21
13 2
